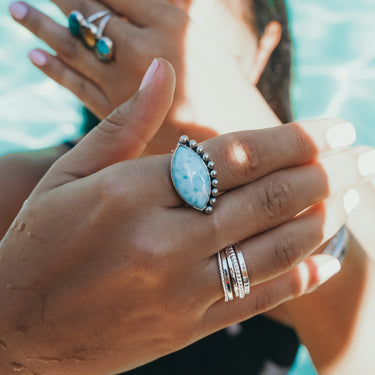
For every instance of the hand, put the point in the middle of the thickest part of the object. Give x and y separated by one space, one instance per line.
105 269
212 92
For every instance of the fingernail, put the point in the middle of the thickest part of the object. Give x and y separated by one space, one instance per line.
351 200
38 58
149 74
366 163
18 10
341 135
327 270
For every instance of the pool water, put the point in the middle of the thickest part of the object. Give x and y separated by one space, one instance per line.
334 76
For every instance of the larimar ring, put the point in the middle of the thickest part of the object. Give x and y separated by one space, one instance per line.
194 176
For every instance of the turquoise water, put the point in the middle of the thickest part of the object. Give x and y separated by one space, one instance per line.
334 76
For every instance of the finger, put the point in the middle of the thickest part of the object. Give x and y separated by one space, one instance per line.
126 132
69 49
88 92
278 250
304 278
275 199
243 157
141 12
115 26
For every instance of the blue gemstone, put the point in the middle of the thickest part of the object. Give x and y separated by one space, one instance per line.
102 47
191 177
74 24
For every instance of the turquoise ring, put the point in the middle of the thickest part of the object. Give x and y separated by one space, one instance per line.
104 45
92 35
194 176
75 21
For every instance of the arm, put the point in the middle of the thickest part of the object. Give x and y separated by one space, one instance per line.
20 173
336 322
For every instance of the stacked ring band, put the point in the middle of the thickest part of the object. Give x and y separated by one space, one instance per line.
233 273
92 35
194 176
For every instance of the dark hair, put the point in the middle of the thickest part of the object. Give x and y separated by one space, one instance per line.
275 81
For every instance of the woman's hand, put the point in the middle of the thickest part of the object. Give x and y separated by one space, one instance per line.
212 91
105 269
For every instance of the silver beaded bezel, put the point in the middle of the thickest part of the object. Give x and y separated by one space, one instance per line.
210 166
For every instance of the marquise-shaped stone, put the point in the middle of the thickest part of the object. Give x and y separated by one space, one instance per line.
191 177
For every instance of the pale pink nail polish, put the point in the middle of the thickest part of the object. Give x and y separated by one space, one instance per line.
18 10
38 58
149 74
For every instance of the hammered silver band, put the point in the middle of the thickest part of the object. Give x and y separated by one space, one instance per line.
232 254
241 261
222 277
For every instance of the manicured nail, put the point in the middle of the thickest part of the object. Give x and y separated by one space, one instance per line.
149 74
351 200
341 135
38 58
328 269
18 10
366 163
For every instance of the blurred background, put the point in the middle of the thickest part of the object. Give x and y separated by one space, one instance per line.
334 76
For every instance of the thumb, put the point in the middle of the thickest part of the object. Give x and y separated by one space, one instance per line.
125 133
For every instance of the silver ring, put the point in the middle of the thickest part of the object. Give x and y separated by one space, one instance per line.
338 245
232 273
228 292
243 268
232 254
194 176
221 271
96 16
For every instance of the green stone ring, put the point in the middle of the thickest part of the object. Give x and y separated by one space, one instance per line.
194 176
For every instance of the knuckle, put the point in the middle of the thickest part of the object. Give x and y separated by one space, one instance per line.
81 88
285 254
242 157
147 258
276 197
114 123
33 22
302 143
68 49
110 191
263 301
